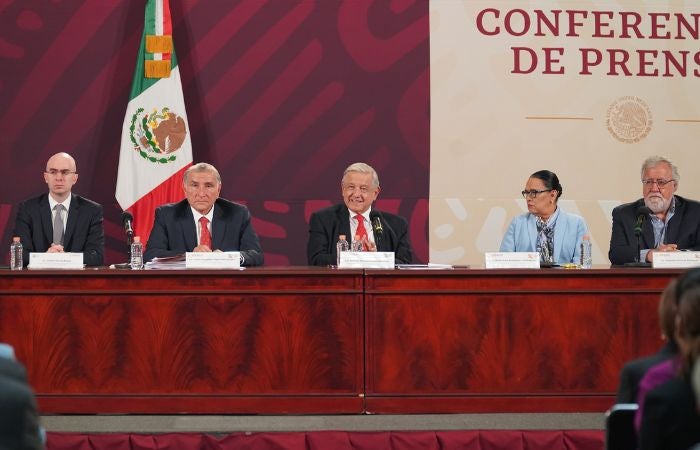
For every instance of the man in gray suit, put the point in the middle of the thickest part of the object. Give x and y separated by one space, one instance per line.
203 222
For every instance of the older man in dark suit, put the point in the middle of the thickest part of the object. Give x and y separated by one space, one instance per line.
203 222
670 223
354 218
61 221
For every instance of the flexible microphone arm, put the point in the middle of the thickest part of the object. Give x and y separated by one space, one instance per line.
642 213
127 220
375 219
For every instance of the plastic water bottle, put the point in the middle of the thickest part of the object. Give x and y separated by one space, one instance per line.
342 246
136 254
586 252
16 262
356 244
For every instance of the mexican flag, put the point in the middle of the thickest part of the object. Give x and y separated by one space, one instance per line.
155 146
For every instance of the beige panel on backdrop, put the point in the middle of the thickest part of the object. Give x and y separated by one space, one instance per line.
593 124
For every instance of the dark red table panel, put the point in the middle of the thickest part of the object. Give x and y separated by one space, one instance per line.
497 340
251 341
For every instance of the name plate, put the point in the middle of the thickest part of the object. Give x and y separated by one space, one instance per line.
512 260
675 260
213 260
366 260
55 261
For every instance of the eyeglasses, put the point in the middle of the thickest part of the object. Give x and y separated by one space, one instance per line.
64 172
533 193
649 182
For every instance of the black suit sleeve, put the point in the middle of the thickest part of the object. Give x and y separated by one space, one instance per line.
93 251
627 390
158 241
687 230
623 242
250 248
400 244
319 250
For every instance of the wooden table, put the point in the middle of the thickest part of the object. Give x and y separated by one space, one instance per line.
315 340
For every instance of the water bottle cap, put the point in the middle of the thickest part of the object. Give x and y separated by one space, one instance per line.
586 237
15 238
341 237
137 238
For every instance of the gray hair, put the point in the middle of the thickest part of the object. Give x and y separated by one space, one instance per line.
363 168
201 167
654 161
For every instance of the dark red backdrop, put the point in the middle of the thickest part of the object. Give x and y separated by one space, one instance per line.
281 96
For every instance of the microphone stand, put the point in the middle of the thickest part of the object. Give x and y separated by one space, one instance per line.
129 241
637 262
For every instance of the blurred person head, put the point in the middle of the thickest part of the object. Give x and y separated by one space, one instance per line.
7 351
202 185
668 308
687 296
359 187
541 193
688 328
659 182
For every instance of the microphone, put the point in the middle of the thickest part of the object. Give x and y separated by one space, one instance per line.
376 221
642 213
127 219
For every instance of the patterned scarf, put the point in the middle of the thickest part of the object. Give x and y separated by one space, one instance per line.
545 241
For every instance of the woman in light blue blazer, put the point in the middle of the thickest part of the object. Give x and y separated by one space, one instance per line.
545 228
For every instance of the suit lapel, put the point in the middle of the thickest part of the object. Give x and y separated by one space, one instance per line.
344 227
186 219
385 244
647 233
46 223
218 227
673 228
72 221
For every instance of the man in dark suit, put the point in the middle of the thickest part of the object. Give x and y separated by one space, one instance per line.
672 225
359 188
203 222
61 221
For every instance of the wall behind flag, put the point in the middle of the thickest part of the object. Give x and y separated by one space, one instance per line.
585 89
281 97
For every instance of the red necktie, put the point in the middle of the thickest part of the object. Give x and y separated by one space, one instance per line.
361 231
204 235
